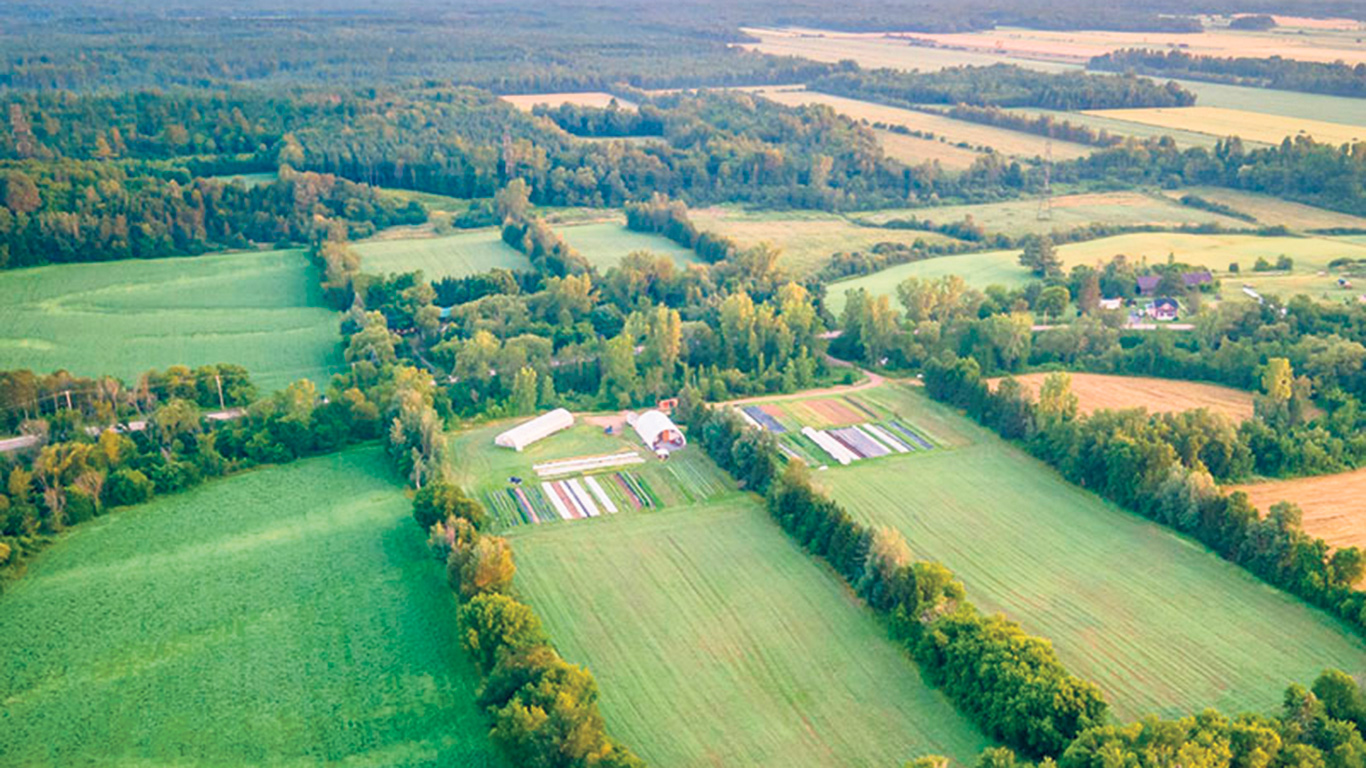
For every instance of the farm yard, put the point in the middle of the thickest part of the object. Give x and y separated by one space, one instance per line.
458 255
1256 126
1333 505
706 618
261 310
1027 543
287 615
1096 392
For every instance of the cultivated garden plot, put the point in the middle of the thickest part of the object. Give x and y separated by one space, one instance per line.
841 429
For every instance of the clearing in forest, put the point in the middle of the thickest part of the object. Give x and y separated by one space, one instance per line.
1160 623
1256 126
1096 392
290 614
262 310
605 244
1332 504
458 255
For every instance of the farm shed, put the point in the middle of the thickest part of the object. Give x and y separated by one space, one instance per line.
658 431
529 432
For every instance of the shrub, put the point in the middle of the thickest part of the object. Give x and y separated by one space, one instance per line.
127 487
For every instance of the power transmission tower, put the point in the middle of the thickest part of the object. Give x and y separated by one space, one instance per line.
1045 212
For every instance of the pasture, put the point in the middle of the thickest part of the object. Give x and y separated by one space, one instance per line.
526 101
458 255
807 239
978 269
1256 126
1096 392
605 244
1161 624
1331 504
291 615
974 135
1273 211
262 310
717 641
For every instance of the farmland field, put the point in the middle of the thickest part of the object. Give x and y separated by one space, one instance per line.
1332 109
1112 591
914 150
1332 504
1219 121
262 310
876 50
606 244
1115 127
1095 392
716 641
289 615
526 101
467 253
1273 211
1005 141
807 239
978 269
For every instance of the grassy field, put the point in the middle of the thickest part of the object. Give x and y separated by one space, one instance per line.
1220 121
1095 392
1331 504
807 239
1273 211
287 616
526 101
914 150
261 310
877 50
1332 109
1160 623
978 269
606 244
716 641
1115 127
1020 217
1008 142
466 253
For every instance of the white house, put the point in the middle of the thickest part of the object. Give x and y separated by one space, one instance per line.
542 426
658 431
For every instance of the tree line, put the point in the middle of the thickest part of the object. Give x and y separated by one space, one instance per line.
1334 78
669 218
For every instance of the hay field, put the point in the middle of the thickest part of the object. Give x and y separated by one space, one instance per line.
1274 211
913 150
717 641
262 310
807 239
1127 128
466 253
525 101
1334 506
291 615
1331 109
877 50
605 244
1020 217
1096 392
978 269
1257 126
1002 140
1161 624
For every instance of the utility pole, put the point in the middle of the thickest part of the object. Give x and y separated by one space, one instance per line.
219 381
1045 212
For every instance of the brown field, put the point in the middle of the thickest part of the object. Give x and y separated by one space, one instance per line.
1274 211
1218 121
1099 392
821 414
1007 142
913 150
875 50
525 101
1334 506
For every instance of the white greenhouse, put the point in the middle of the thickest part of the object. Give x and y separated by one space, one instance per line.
658 431
542 426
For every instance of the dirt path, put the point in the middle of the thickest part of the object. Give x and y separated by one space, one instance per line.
872 380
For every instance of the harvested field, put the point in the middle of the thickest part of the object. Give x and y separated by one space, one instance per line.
466 253
709 620
1113 592
1257 126
1099 392
1334 506
525 101
913 150
975 135
1274 211
878 50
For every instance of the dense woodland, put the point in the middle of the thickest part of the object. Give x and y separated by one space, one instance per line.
1336 78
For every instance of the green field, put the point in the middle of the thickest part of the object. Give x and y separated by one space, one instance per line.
978 269
288 616
716 641
1333 109
467 253
262 310
1273 211
606 244
1160 623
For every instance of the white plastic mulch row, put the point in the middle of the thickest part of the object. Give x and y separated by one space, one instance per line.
597 490
886 439
572 466
556 502
749 419
831 446
581 496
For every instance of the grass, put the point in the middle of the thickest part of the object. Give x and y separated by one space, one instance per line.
605 244
466 253
1158 622
716 641
978 269
975 135
913 150
1220 121
1128 128
1331 504
287 616
262 310
1273 211
1096 391
807 239
1332 109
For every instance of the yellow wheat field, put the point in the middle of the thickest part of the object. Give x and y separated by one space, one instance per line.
1256 126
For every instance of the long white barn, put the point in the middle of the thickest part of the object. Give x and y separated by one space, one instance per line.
542 426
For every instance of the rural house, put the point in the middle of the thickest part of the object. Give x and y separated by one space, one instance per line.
1197 279
1164 309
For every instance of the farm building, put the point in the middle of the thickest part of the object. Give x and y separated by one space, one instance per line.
540 427
1111 304
1197 279
658 431
1147 284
